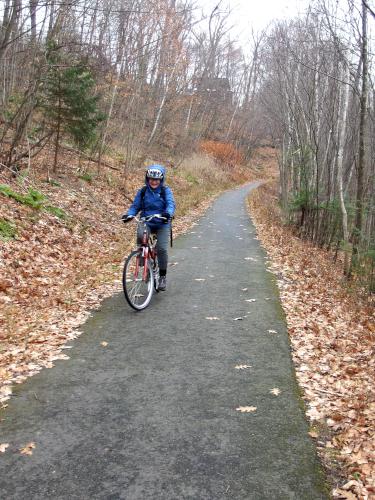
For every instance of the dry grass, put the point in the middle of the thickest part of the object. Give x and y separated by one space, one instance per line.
199 177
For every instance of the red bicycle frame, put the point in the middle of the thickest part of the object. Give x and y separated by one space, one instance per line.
147 253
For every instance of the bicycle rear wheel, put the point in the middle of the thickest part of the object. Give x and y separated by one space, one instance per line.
137 289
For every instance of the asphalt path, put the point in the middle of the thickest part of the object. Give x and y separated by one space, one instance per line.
155 414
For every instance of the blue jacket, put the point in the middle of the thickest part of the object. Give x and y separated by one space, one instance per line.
153 202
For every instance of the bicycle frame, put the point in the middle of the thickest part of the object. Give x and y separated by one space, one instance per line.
147 245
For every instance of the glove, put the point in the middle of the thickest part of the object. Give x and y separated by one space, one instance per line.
166 217
127 218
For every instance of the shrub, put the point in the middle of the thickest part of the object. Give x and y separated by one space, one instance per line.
223 152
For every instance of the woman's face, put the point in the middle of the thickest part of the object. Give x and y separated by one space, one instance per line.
154 183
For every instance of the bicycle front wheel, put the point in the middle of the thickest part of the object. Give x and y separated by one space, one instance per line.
138 282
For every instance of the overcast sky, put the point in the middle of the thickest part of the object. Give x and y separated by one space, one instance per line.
259 13
255 13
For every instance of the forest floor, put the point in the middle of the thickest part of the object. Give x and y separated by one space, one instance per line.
332 333
62 246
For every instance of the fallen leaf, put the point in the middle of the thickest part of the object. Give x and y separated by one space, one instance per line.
3 447
246 409
313 434
271 331
28 449
350 484
342 494
250 300
275 391
104 344
242 367
212 318
199 279
59 356
5 391
239 318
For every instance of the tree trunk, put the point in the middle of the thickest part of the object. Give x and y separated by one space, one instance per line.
361 153
343 112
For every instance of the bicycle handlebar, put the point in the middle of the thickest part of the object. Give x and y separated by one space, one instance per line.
148 218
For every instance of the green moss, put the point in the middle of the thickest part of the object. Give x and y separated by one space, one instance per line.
32 198
56 211
8 230
88 177
53 183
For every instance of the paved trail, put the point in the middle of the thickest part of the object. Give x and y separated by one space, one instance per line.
153 414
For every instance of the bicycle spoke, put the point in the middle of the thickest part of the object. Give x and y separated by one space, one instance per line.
138 291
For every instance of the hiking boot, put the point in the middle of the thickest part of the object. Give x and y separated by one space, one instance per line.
162 283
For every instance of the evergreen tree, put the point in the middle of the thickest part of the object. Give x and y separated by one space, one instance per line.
68 101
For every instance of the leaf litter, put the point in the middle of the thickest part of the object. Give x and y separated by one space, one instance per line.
332 333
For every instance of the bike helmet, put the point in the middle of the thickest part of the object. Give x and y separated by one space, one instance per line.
154 172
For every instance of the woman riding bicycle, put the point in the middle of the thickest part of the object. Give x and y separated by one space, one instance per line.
155 198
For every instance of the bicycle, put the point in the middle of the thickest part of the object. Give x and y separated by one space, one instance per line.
141 270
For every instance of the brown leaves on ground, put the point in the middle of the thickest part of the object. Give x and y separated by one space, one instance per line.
28 449
332 336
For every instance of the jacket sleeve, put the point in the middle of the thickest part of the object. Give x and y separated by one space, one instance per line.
136 206
170 203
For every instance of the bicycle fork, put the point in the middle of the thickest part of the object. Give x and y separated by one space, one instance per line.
145 257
